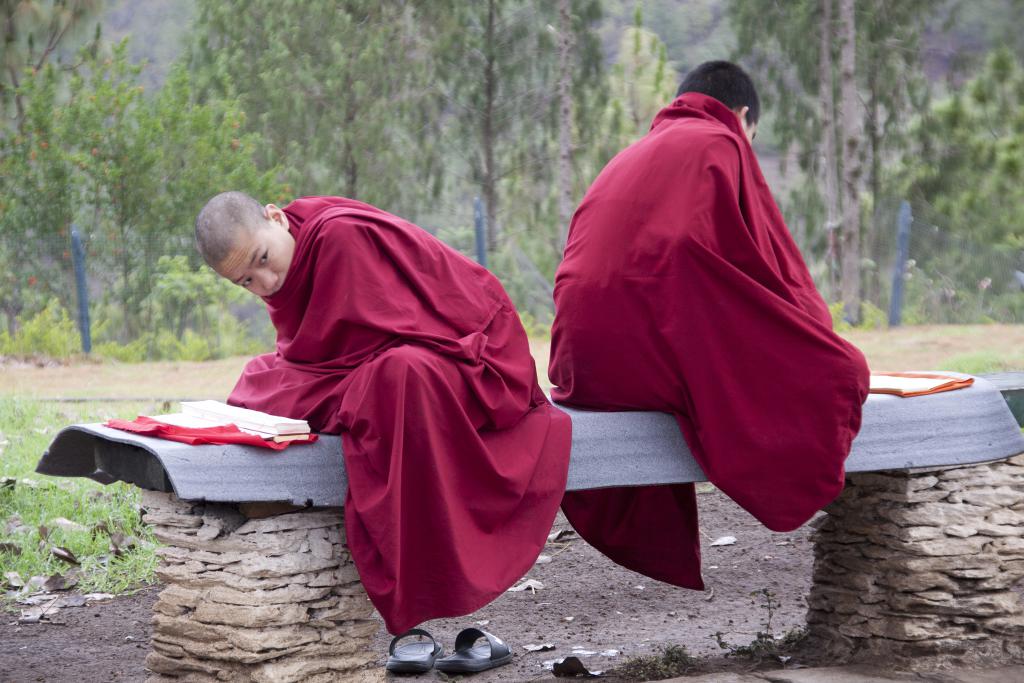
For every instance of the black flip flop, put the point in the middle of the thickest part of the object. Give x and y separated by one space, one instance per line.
470 658
412 658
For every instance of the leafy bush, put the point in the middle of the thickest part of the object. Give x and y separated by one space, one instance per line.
839 323
133 352
51 332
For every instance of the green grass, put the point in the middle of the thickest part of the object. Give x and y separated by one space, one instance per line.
34 500
981 362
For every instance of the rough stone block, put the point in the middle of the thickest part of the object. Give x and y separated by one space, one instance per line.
297 670
291 593
250 616
1000 497
259 567
306 520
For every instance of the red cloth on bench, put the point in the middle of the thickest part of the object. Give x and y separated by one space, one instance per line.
682 291
413 353
222 434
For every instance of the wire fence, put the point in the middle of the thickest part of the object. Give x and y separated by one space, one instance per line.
945 278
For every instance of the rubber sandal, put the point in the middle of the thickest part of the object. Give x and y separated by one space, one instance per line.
470 658
412 658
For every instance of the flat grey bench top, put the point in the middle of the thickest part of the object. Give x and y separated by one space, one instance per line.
608 449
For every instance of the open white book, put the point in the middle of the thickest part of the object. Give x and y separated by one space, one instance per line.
916 383
244 418
203 414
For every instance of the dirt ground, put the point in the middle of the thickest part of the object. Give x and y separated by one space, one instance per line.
610 607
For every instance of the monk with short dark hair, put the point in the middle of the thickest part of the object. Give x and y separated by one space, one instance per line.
682 291
456 462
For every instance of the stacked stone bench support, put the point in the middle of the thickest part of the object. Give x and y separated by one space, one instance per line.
266 599
912 564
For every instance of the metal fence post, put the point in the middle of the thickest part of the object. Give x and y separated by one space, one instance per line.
78 256
899 268
478 226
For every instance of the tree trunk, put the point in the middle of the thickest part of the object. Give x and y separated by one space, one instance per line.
564 120
829 163
849 136
872 287
490 176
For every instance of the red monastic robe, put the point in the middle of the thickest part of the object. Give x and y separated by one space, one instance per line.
456 461
682 291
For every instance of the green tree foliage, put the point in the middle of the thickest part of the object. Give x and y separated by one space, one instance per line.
34 33
781 44
642 82
335 89
130 171
964 174
496 63
967 155
36 202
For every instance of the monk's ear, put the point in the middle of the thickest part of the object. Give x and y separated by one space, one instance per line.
274 213
741 112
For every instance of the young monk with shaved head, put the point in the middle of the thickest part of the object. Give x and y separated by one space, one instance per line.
456 462
682 291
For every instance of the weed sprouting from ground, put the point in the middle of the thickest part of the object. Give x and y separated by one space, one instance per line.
766 644
671 662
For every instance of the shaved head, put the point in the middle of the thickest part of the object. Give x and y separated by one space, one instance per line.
223 220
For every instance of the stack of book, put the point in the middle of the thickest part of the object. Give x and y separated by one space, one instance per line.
200 414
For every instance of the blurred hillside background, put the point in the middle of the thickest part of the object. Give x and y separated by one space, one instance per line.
120 118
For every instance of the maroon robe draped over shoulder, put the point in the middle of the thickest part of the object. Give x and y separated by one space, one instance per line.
682 291
456 461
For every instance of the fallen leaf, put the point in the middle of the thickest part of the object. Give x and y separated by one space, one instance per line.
571 667
67 524
98 597
72 601
60 582
533 585
561 535
12 548
542 647
724 540
483 623
31 616
36 582
609 653
44 532
63 554
14 580
543 559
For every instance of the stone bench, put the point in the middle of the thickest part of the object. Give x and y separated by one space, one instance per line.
917 556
